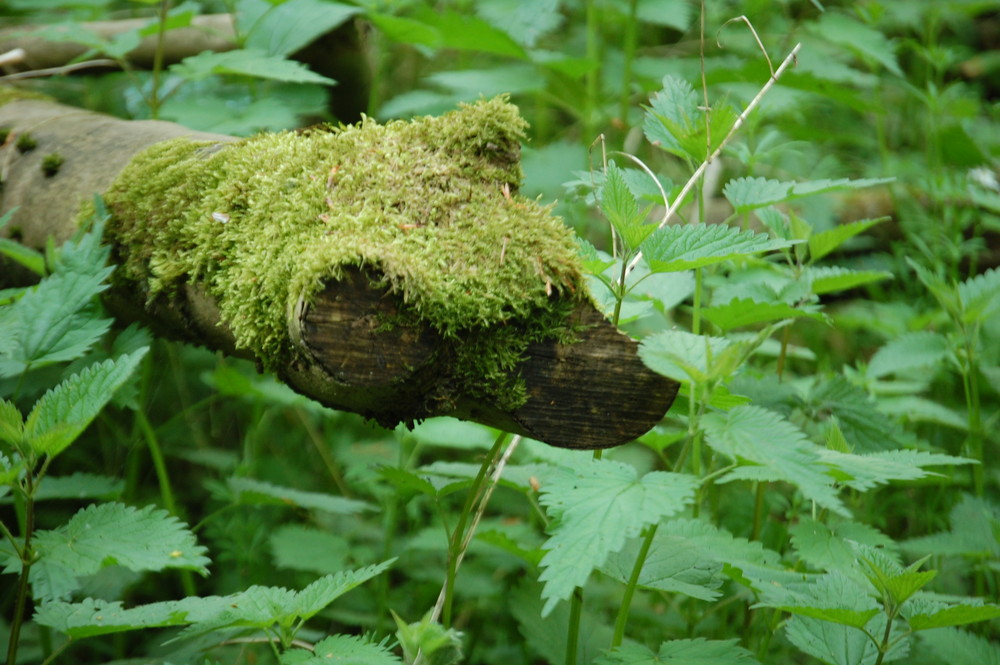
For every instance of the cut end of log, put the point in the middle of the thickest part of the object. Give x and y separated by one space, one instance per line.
593 392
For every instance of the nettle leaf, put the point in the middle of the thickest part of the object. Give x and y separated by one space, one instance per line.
974 521
342 649
698 651
953 615
292 25
79 486
264 607
770 448
674 248
829 279
621 208
672 111
684 356
959 647
869 470
824 242
893 582
594 261
526 21
52 322
594 509
839 644
828 547
248 490
747 312
11 423
833 597
62 413
980 295
863 40
747 194
90 617
865 427
246 62
914 350
469 33
717 544
110 534
31 259
673 564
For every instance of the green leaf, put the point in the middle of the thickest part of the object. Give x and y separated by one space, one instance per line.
980 296
838 644
974 525
956 615
914 350
246 62
248 490
348 649
865 427
11 423
469 33
869 470
29 258
52 322
958 647
293 25
828 547
894 583
406 30
833 597
428 641
62 413
828 279
673 564
770 448
308 549
109 534
79 486
594 510
454 433
622 210
674 248
747 312
698 651
672 115
864 41
824 242
91 617
683 356
747 194
674 14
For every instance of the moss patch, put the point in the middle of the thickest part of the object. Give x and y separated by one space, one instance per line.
430 204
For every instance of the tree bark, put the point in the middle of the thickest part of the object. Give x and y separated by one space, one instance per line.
592 392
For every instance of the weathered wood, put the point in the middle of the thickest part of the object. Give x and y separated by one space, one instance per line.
593 392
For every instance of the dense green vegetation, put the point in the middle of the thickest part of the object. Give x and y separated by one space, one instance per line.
825 289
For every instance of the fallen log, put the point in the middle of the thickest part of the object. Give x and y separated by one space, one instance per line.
391 270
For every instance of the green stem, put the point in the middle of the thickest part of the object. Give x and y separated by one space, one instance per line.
458 535
633 582
573 633
22 585
161 40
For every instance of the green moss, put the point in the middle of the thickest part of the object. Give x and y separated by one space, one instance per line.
26 142
9 93
430 204
51 164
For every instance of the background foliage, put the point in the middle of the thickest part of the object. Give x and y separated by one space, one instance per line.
822 491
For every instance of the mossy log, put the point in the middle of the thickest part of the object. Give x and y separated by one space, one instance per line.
391 270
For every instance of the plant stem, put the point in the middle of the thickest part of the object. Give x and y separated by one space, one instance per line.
161 40
629 47
633 582
457 536
573 632
22 584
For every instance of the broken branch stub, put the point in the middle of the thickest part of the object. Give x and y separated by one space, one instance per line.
390 270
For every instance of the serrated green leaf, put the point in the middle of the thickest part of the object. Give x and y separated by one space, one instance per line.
980 295
594 510
526 21
298 547
914 350
593 261
698 651
865 427
91 617
838 644
673 109
246 62
683 356
622 210
974 523
747 312
869 470
956 615
674 248
747 194
673 565
676 14
348 649
79 486
109 534
29 258
824 242
829 279
833 597
862 40
51 322
62 413
406 482
893 585
11 423
959 647
828 547
469 33
248 490
768 447
292 25
325 590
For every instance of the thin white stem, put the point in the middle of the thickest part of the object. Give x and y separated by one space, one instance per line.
718 151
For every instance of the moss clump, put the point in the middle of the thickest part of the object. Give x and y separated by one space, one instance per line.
430 204
26 142
51 164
